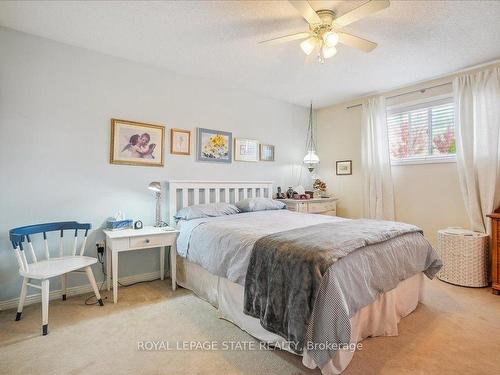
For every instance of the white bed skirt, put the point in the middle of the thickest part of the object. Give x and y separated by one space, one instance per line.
380 318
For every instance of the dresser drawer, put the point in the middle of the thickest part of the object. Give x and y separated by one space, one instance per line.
318 207
297 206
153 240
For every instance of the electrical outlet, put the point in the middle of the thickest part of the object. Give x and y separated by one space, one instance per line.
100 245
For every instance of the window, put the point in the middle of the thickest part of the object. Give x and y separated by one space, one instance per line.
423 133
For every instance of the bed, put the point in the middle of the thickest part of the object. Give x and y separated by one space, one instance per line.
364 293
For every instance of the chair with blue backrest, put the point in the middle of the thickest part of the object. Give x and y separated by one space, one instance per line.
43 270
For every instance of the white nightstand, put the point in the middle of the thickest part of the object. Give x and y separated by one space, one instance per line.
139 239
325 206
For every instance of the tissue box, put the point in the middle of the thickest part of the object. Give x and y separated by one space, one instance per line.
119 224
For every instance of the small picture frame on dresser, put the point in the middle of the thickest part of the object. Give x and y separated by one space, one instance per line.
343 167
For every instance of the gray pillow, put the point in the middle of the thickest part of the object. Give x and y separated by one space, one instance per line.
206 210
259 204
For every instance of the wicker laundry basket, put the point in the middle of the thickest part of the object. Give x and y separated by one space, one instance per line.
465 257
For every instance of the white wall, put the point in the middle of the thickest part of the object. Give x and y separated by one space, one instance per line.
338 138
56 102
427 195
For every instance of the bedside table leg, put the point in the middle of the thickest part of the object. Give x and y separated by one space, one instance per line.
108 268
114 263
162 263
173 265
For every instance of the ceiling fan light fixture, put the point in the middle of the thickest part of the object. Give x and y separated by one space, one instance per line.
308 45
328 51
331 38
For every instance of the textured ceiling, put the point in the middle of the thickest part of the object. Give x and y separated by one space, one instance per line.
217 40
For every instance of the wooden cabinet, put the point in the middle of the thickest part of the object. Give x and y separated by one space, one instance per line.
495 248
324 206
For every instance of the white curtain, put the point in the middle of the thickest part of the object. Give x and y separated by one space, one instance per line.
378 202
477 127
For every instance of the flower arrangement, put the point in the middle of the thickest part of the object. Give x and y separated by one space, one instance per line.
216 147
319 185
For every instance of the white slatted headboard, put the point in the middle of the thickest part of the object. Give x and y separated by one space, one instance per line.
188 193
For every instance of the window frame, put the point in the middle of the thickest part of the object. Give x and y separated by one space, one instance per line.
416 105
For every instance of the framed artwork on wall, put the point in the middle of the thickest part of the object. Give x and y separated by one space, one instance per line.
344 167
180 142
136 143
214 145
267 152
246 149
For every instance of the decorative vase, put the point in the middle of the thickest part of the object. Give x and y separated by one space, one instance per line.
289 193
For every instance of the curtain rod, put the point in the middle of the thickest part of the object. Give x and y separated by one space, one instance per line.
405 93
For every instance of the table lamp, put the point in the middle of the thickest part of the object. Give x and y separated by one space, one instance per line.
156 187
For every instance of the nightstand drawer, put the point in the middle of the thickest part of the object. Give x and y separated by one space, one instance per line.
322 207
154 240
119 243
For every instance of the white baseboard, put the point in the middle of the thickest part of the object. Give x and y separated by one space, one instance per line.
76 290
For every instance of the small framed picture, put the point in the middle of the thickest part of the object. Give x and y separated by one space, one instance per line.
214 145
180 142
136 143
246 149
344 167
267 152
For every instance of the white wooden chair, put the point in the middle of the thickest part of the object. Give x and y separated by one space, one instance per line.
43 270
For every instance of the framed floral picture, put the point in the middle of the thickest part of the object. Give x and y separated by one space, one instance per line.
246 149
180 142
344 167
214 145
136 143
266 152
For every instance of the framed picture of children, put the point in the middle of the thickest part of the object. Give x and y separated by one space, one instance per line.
136 143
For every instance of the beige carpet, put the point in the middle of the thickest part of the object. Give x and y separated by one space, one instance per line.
455 331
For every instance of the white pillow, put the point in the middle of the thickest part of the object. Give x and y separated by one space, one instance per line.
259 204
206 210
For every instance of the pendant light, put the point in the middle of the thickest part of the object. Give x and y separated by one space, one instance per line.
311 158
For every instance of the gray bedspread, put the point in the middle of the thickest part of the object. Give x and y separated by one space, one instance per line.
286 269
223 246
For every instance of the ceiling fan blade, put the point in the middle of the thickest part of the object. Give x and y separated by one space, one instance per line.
286 38
360 12
306 11
356 42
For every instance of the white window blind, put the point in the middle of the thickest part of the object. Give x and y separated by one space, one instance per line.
423 133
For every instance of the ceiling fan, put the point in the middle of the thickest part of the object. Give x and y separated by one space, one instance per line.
324 25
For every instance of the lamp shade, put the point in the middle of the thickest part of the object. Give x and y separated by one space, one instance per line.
308 45
311 157
328 51
155 186
331 39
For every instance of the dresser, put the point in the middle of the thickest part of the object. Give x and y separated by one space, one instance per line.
495 248
325 206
